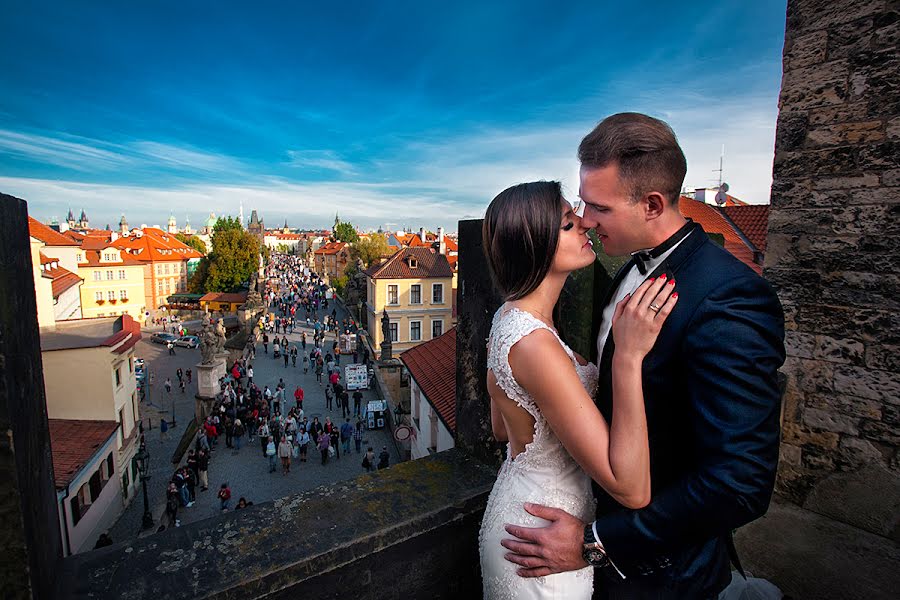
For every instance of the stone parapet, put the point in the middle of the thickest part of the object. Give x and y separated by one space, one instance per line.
410 531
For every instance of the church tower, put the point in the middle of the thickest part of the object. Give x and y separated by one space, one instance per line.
173 225
123 225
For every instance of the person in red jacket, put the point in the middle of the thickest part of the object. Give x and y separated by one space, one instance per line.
298 396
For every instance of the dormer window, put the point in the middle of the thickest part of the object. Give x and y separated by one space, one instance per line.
413 263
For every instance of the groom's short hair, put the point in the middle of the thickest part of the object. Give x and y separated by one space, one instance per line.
645 150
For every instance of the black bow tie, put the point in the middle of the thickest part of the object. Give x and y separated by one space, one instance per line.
642 258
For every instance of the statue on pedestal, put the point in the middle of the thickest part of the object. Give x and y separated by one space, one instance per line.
220 336
386 350
208 342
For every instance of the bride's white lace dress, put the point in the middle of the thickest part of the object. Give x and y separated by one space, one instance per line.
543 473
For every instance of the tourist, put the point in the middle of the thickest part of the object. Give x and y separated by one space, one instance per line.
224 497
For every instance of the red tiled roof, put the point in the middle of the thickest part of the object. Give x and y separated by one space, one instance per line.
331 248
73 443
76 236
712 221
155 245
433 366
752 220
92 259
224 297
451 244
46 260
51 237
430 264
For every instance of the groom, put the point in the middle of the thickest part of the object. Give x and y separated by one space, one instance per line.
710 387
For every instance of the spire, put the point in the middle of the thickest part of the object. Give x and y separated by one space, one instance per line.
242 213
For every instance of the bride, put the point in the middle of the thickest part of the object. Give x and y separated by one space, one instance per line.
541 391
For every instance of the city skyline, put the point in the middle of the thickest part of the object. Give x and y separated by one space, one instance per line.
425 111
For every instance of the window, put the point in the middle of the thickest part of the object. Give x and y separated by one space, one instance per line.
78 258
415 331
415 294
159 269
118 372
417 407
437 293
98 296
131 364
167 286
432 448
437 329
125 482
122 424
123 295
134 409
121 273
159 286
109 275
106 469
395 332
97 276
166 269
392 295
111 295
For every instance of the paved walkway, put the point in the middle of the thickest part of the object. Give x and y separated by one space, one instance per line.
246 471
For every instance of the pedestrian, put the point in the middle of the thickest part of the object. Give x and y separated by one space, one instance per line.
357 402
298 397
284 453
224 496
237 435
357 436
368 461
263 434
294 355
179 373
163 429
168 385
345 404
303 443
249 374
346 435
266 343
323 445
335 438
286 356
189 375
172 503
203 469
270 453
329 397
171 348
181 384
383 458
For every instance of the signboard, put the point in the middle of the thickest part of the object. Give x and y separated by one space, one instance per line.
356 377
376 406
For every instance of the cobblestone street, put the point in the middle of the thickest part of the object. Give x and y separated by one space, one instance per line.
246 471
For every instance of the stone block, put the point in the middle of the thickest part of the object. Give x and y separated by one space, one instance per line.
799 345
798 435
852 453
790 455
841 113
891 415
849 39
885 357
887 32
828 420
872 384
809 15
849 406
833 161
805 50
866 324
868 498
818 461
824 84
832 349
863 180
880 432
811 376
893 129
882 156
791 131
891 179
845 133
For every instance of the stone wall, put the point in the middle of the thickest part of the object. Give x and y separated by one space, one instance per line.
834 257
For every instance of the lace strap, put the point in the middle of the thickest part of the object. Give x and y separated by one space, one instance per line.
508 328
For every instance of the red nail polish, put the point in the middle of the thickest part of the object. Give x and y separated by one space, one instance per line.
671 282
674 294
652 279
663 276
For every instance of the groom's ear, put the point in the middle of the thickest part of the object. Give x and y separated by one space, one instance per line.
654 205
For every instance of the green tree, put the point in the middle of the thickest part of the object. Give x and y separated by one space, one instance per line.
370 249
193 241
345 232
234 258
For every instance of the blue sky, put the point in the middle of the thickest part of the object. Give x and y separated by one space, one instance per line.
392 113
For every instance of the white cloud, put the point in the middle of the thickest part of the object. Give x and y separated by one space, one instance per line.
320 159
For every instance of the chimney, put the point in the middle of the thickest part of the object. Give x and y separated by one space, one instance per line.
422 234
113 236
442 245
63 226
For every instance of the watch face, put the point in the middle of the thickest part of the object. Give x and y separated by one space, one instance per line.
596 558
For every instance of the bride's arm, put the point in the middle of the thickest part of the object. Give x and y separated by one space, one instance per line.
615 455
617 458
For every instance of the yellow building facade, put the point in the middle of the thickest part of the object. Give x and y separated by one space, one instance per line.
414 286
113 284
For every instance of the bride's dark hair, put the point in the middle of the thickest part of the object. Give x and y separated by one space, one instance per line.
520 234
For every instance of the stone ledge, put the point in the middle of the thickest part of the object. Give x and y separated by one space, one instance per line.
304 540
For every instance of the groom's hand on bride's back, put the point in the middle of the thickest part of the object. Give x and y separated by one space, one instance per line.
541 551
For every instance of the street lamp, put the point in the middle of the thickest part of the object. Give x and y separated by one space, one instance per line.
143 461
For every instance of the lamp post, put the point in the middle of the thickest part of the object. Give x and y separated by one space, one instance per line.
143 460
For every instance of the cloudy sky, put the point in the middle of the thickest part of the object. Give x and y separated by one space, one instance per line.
392 113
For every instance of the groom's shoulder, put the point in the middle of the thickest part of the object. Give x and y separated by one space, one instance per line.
713 266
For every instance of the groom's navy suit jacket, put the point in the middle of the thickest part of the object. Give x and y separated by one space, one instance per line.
713 407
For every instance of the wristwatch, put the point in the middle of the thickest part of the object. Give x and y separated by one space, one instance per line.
593 551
